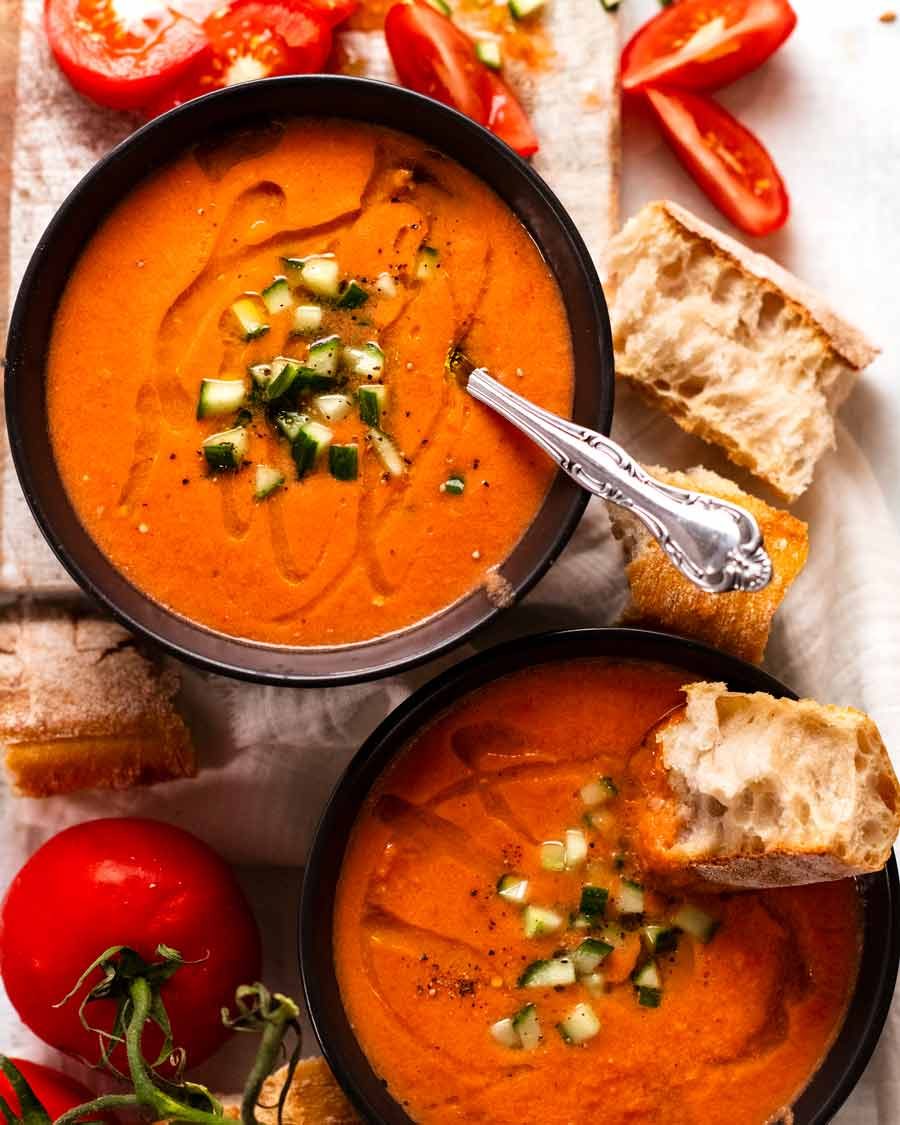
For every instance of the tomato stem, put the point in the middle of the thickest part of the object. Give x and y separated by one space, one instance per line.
85 1113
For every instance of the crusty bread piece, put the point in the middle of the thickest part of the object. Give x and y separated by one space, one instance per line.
313 1098
764 792
662 598
735 348
82 708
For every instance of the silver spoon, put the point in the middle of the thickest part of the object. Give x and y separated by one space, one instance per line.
717 545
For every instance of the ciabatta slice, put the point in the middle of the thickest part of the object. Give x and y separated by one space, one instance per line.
751 791
737 350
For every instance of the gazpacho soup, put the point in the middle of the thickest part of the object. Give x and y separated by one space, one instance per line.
502 958
251 399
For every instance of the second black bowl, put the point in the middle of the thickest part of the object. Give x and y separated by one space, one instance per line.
879 893
243 107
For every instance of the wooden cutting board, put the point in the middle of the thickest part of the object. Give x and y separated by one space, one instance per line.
49 137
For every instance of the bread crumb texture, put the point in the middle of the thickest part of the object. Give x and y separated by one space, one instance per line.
732 346
777 791
314 1098
82 708
661 597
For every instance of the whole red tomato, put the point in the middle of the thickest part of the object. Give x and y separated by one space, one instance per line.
132 882
56 1092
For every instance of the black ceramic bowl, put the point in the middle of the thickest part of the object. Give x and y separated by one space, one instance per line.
156 144
880 893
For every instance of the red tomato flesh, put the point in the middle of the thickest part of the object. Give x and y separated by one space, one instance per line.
505 115
132 882
122 55
253 39
725 159
57 1092
705 44
432 56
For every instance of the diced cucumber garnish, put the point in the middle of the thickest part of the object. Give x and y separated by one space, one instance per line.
324 355
372 399
527 1026
267 481
595 983
226 450
505 1034
283 374
648 984
455 485
333 408
695 922
580 1025
319 273
352 295
427 263
598 792
522 9
220 396
260 373
589 954
387 452
630 899
593 902
537 921
343 462
660 939
385 286
278 296
553 973
309 445
290 423
611 935
307 319
513 888
553 855
576 847
488 52
367 361
250 313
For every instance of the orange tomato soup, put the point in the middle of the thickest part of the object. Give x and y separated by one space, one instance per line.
387 514
713 1009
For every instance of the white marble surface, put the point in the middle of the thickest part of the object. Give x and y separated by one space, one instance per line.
826 107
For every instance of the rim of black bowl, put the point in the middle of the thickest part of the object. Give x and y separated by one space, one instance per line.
879 894
156 144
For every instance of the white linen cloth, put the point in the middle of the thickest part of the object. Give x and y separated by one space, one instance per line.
271 756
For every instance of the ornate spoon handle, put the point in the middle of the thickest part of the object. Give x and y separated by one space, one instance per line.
717 545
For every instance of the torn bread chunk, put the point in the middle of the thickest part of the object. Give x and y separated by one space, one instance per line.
82 708
746 790
737 350
662 598
313 1098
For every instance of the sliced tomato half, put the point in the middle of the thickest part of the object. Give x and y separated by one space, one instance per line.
252 39
432 56
505 115
705 44
122 53
726 160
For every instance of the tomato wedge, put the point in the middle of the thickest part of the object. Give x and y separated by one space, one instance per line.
333 12
705 44
725 159
505 115
431 55
124 55
253 39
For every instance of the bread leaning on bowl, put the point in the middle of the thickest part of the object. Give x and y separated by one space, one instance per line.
736 349
745 790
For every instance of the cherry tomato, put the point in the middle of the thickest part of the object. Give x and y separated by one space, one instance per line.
705 44
725 159
505 116
122 57
56 1092
132 882
253 39
431 55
